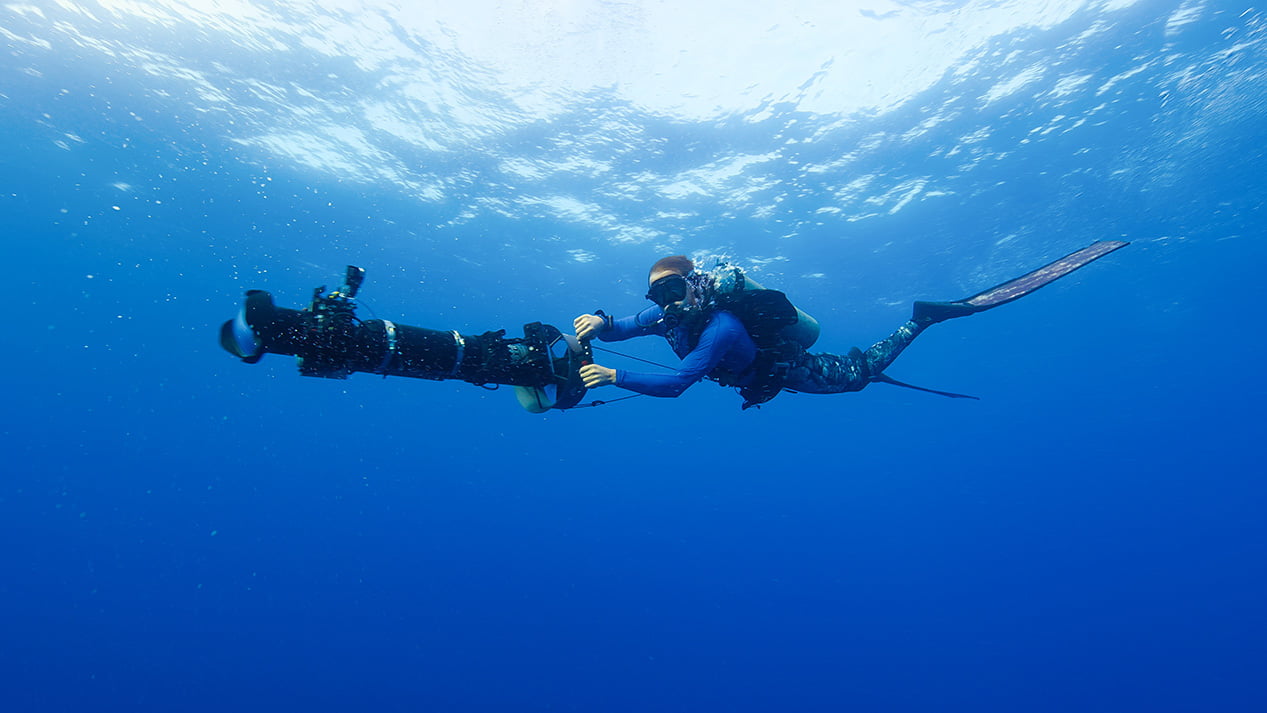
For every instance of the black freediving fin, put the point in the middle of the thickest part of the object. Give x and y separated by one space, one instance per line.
885 379
933 312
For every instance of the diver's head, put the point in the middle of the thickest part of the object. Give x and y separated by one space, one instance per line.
668 283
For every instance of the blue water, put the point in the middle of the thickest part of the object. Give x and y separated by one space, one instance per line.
184 532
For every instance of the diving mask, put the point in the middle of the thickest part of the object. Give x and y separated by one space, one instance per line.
667 290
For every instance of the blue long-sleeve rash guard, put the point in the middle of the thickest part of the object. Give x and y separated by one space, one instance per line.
724 342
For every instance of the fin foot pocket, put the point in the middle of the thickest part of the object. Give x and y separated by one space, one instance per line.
926 313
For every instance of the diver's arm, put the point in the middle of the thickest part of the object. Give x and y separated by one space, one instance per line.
718 338
648 321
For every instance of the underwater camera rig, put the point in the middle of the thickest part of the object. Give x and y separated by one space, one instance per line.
331 342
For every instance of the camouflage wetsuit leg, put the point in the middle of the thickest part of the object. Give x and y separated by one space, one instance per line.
833 373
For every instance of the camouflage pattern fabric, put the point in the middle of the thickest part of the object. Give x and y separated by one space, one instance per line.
834 373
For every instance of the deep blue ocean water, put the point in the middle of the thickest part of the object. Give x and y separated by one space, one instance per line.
184 532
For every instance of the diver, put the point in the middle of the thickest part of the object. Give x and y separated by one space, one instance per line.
727 328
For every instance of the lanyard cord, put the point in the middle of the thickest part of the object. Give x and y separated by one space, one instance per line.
627 356
600 402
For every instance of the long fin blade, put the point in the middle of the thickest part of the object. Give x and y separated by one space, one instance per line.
1019 287
886 379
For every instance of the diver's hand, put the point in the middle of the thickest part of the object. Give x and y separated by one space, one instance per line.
594 375
588 326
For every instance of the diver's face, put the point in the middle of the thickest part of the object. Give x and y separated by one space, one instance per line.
659 286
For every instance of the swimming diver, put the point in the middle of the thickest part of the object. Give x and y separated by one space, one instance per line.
726 328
